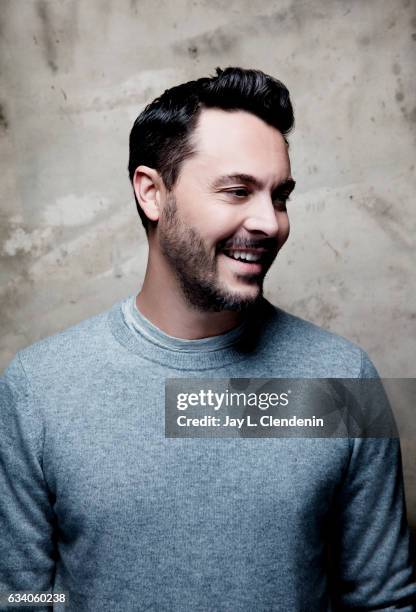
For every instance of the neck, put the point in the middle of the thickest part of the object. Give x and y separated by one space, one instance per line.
163 304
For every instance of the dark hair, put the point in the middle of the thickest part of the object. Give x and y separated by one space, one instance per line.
161 135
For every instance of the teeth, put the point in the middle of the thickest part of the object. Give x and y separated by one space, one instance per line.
245 256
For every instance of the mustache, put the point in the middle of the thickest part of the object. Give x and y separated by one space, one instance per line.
268 244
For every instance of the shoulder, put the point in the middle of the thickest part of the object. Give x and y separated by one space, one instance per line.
311 350
71 349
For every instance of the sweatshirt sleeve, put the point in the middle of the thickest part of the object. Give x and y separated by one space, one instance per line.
27 560
372 558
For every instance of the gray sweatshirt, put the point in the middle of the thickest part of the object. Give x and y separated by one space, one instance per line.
97 502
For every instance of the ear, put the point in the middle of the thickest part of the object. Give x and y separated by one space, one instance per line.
147 184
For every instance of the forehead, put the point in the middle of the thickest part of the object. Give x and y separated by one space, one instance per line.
230 140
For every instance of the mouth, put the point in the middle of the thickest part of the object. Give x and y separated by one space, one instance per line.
249 261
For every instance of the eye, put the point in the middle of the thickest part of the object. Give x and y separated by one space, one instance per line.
280 202
281 199
239 192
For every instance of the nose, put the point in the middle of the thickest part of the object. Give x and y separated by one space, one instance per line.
262 217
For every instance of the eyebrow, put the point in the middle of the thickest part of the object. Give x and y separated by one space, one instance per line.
288 184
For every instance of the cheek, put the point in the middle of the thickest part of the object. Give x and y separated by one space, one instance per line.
223 224
212 220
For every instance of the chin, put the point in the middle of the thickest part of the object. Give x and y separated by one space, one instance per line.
240 300
250 287
219 296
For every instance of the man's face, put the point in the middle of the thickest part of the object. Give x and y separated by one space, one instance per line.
225 220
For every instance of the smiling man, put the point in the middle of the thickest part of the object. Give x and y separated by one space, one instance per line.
97 503
211 252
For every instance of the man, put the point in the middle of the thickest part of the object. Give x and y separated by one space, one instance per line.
98 503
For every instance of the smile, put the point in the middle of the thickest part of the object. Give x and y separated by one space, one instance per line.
244 262
244 255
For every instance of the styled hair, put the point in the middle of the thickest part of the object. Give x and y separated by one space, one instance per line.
161 135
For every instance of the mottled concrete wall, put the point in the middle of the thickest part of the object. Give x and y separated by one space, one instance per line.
74 75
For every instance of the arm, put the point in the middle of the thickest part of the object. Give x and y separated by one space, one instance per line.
373 565
27 561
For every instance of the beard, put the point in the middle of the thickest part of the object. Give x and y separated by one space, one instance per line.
195 268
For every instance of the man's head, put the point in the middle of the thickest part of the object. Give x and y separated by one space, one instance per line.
211 175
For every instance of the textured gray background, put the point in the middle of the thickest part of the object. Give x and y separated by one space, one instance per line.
75 74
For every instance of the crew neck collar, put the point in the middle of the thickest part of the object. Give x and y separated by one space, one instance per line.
139 323
140 336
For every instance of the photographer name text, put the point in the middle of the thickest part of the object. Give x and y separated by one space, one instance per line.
237 423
